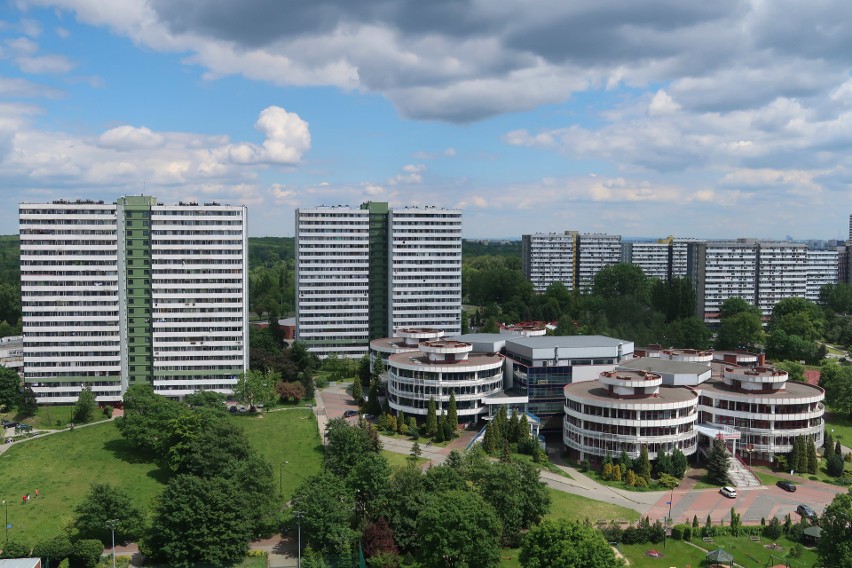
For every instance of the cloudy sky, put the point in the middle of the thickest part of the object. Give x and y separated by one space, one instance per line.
697 119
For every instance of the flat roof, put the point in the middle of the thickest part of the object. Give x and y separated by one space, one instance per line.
665 366
391 343
592 390
794 389
575 341
480 337
418 358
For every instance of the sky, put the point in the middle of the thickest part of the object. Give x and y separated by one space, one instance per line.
720 119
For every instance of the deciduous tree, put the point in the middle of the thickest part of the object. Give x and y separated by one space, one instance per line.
458 528
85 407
567 544
835 545
327 506
102 503
10 382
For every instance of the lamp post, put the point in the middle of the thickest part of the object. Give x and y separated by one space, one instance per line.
111 524
298 515
6 505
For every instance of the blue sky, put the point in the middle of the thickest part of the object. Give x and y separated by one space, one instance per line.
731 119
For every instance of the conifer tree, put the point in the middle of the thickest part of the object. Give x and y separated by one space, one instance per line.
630 478
616 472
489 440
523 428
802 465
625 461
452 413
440 429
643 464
606 471
357 392
828 450
513 431
431 424
813 460
400 421
717 463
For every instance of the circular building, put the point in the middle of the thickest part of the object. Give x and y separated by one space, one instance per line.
687 355
405 340
438 369
768 410
624 409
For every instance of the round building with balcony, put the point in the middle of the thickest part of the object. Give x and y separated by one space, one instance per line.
405 341
439 368
766 409
625 409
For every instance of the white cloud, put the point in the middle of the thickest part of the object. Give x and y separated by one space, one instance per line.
124 138
412 174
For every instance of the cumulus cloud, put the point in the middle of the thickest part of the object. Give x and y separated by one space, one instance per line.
411 173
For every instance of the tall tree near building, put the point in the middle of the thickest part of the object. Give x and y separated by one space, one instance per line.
717 463
357 392
458 528
802 458
679 463
813 460
452 413
643 464
84 409
431 424
10 382
741 325
828 447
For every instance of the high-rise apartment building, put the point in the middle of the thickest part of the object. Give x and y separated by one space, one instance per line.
133 292
595 251
823 267
720 270
547 258
652 258
781 273
363 273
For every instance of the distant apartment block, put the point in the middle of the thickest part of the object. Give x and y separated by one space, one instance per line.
781 273
652 258
823 267
115 294
547 258
363 273
595 251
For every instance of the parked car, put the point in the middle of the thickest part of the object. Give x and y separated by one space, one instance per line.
730 492
369 417
233 408
787 486
350 413
806 511
9 424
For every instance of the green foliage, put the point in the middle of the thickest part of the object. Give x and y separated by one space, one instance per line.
145 415
255 388
206 399
10 382
458 528
200 521
103 503
834 465
717 463
795 371
202 443
14 549
431 424
84 409
679 463
346 445
452 413
515 509
373 405
773 530
357 392
837 382
53 550
621 280
835 545
369 481
85 553
676 299
828 446
28 405
327 506
643 464
741 325
813 460
668 481
567 544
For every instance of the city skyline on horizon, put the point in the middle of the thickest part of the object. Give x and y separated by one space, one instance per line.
710 121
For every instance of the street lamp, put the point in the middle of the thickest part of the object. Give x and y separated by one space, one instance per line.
111 525
7 522
298 515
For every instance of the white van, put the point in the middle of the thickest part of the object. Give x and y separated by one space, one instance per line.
730 492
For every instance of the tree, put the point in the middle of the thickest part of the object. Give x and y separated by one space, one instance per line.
515 509
567 544
205 444
145 413
742 330
378 539
369 480
452 413
837 382
835 545
364 373
53 550
85 553
28 405
374 406
357 392
85 407
206 399
813 460
327 506
200 521
416 452
346 445
834 465
795 371
828 446
679 463
102 503
431 424
294 390
717 463
458 528
10 382
621 280
256 388
407 498
643 464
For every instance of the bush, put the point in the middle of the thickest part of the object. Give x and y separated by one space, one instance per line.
85 553
834 465
53 550
687 532
108 411
585 465
528 446
613 532
15 550
632 535
677 531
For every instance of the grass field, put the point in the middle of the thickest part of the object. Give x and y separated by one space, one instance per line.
754 554
62 466
842 426
675 553
400 460
50 417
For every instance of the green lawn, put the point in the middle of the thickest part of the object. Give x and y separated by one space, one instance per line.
570 506
400 460
50 417
765 477
675 553
842 426
754 554
62 466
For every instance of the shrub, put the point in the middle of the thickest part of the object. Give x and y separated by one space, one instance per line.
528 446
687 532
657 532
641 481
677 531
613 532
584 465
53 550
631 535
85 553
606 472
834 465
15 550
108 411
